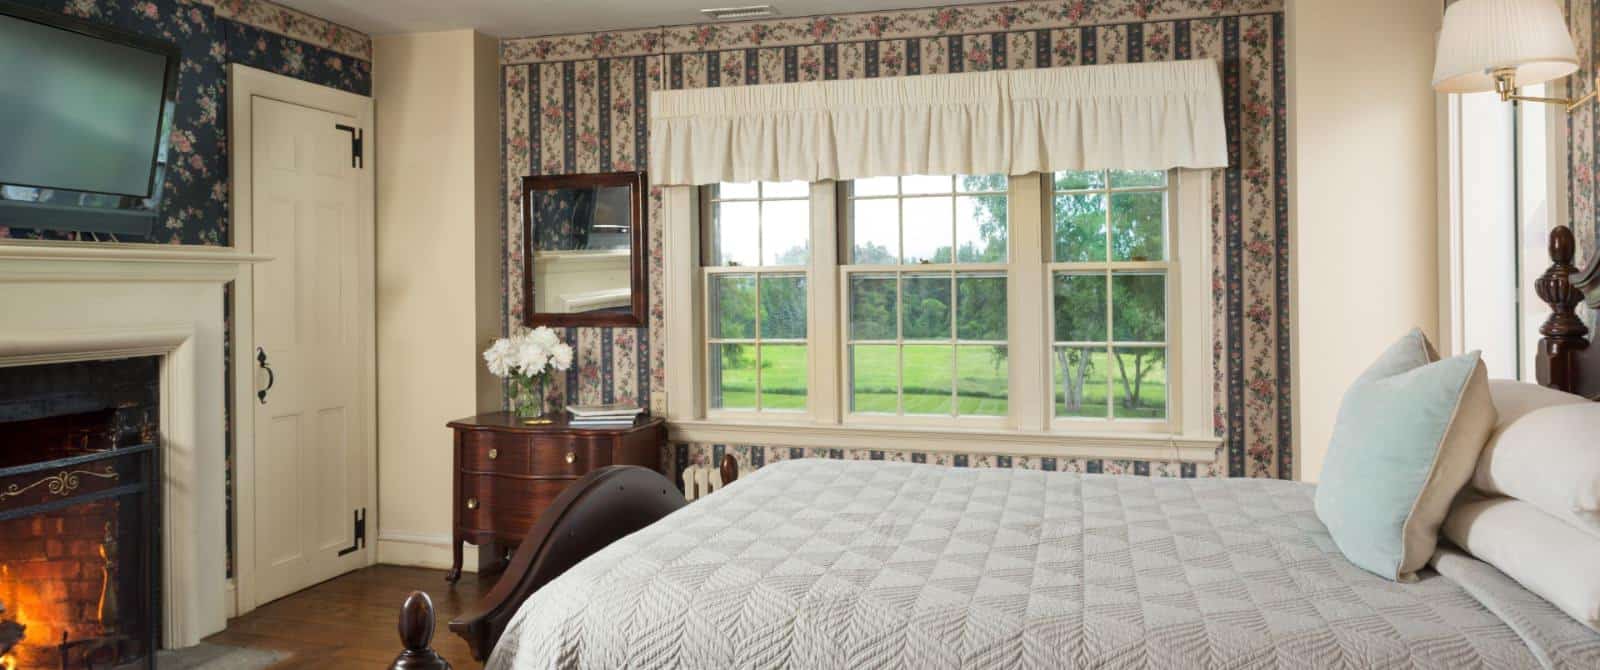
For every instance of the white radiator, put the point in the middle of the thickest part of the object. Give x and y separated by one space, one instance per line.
701 480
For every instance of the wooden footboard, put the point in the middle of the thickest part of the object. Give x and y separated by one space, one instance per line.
602 507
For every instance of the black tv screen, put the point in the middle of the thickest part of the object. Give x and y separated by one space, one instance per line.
83 116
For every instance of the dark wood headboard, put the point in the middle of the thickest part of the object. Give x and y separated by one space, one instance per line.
1565 359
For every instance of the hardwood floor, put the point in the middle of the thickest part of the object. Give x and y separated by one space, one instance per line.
349 622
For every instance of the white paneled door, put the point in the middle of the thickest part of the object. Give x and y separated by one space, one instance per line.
313 311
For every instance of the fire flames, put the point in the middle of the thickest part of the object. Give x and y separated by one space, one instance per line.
12 629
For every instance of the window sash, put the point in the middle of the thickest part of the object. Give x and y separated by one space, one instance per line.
1107 270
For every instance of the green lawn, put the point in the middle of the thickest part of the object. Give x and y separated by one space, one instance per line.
980 374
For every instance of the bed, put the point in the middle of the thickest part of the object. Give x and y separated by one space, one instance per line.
845 564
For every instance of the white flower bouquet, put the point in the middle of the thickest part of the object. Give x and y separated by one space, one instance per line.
527 359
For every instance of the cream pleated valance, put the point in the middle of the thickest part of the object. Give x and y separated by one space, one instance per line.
1138 116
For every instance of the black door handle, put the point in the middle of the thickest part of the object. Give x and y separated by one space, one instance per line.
261 359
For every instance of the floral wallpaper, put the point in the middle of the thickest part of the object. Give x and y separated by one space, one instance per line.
577 103
1582 132
211 35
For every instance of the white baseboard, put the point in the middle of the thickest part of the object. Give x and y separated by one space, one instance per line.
423 551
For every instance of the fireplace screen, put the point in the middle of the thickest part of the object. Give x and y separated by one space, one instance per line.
79 514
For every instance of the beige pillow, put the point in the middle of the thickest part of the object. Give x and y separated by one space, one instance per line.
1545 450
1546 555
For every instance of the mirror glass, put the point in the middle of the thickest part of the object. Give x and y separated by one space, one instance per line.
582 243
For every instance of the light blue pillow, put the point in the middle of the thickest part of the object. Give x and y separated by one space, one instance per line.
1406 440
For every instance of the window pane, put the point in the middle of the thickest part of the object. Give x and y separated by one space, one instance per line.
1080 304
972 183
736 237
875 232
928 370
1075 181
874 378
733 376
926 303
1139 307
925 184
981 307
875 186
874 307
981 385
981 229
1141 387
928 229
1080 382
784 376
1138 221
733 306
785 189
786 232
783 307
1080 228
732 190
1138 178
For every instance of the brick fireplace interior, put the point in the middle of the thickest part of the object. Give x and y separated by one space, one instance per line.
78 513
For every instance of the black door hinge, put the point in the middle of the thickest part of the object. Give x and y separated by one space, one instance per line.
360 541
356 154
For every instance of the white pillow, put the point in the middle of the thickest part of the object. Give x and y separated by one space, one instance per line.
1544 450
1546 555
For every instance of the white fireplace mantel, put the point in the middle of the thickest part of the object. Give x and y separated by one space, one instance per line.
88 301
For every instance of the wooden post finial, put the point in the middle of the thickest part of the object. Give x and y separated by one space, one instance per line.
1555 288
729 469
416 633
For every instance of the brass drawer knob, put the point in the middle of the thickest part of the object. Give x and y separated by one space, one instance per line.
571 456
493 454
472 503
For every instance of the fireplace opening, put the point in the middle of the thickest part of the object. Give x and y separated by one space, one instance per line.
79 511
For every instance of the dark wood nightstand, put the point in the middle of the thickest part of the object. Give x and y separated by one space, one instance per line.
507 472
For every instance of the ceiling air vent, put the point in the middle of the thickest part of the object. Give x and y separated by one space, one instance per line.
731 13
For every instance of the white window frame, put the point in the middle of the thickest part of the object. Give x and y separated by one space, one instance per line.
1169 267
1030 429
711 270
953 269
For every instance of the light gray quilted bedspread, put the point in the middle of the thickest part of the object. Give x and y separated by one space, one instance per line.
851 564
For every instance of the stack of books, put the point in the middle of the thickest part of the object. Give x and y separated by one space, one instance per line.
603 416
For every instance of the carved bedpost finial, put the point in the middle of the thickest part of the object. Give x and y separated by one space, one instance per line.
1556 289
1556 365
730 469
416 633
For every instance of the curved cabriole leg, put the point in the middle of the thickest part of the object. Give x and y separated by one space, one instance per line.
416 633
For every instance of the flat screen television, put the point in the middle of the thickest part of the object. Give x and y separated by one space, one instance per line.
85 111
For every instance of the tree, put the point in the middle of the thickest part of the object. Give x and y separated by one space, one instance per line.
1080 316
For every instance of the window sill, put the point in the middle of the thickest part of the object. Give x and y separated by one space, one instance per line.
1133 446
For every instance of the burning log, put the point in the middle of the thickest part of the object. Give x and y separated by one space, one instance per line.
10 633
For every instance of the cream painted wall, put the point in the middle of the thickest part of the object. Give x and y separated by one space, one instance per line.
437 98
1364 206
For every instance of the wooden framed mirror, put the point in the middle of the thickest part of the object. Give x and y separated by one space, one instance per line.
584 250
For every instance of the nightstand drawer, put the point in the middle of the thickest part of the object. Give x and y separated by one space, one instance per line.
568 457
497 453
528 455
504 505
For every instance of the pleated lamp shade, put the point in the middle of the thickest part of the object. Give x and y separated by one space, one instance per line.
1481 36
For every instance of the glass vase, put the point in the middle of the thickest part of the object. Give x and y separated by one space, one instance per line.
529 400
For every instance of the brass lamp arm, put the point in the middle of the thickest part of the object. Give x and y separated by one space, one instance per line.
1505 85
